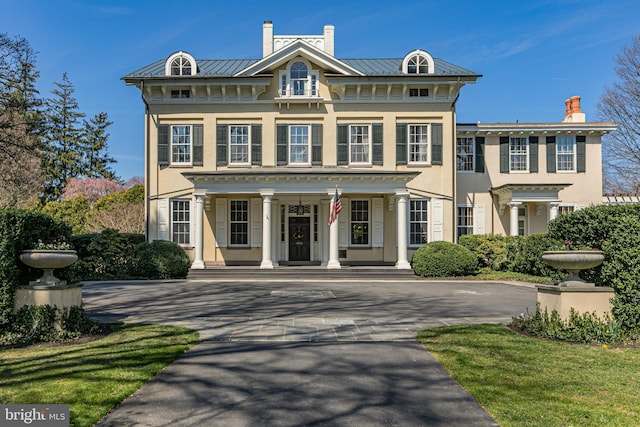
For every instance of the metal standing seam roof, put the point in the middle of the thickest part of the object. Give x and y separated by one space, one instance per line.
369 67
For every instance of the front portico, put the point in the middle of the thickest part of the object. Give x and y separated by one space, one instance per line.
282 216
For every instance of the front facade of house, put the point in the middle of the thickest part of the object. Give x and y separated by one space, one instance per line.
243 158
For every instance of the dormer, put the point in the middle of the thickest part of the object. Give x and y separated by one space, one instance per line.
180 64
418 62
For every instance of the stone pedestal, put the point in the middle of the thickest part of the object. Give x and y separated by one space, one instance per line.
61 296
583 300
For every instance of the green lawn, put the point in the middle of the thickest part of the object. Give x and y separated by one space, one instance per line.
91 377
526 381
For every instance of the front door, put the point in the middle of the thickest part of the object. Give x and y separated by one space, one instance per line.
299 239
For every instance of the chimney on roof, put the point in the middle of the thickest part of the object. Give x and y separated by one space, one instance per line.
328 39
573 113
267 38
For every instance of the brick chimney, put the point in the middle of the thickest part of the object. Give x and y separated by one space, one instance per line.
573 113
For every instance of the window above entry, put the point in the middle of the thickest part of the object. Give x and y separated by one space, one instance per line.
180 64
299 80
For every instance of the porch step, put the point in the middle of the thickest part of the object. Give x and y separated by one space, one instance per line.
301 273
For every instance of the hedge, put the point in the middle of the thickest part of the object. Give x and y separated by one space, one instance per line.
443 259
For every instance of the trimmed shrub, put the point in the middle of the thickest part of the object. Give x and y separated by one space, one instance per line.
19 230
443 259
161 260
525 255
490 249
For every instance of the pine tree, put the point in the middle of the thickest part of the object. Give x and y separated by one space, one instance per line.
95 137
63 145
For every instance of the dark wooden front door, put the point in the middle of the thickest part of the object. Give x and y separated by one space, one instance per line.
299 239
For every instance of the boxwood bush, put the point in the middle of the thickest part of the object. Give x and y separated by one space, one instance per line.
490 249
524 255
161 260
443 259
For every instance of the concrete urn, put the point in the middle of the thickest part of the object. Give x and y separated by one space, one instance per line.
48 260
573 262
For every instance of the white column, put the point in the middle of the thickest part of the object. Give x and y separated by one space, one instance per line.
324 231
198 262
513 221
266 231
401 220
334 262
553 211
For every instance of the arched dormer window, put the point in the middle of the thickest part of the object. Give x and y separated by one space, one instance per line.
180 64
418 62
299 80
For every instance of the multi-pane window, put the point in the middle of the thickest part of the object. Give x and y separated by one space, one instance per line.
565 153
298 74
522 221
359 222
418 92
418 143
299 144
180 221
239 148
518 154
465 220
464 154
418 222
565 209
239 222
418 64
181 66
181 93
181 144
359 144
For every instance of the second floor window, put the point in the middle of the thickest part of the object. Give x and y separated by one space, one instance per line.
565 154
299 144
239 146
359 144
418 143
518 154
181 144
464 154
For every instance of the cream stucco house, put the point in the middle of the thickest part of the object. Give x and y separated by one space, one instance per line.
244 157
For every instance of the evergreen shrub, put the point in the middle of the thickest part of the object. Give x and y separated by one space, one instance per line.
161 260
443 259
490 249
524 255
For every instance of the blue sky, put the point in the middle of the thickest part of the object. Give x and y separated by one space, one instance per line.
532 54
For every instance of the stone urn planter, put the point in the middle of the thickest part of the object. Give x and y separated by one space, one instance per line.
48 260
573 262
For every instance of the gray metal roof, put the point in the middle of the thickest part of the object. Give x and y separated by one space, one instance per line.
369 67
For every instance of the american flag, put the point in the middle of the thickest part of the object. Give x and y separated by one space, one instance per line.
336 207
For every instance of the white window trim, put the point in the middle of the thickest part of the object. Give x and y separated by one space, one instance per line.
286 73
229 162
190 162
190 222
473 155
309 145
473 219
180 54
422 53
527 155
248 222
575 155
353 245
409 161
370 137
428 231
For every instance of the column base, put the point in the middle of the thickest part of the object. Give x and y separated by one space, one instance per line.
266 264
198 265
333 264
403 265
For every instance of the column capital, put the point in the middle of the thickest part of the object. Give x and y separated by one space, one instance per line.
514 204
404 194
199 195
265 194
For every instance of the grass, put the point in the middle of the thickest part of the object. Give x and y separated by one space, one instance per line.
524 381
488 274
91 377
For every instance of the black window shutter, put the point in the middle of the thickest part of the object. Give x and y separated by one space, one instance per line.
436 144
282 137
316 145
401 144
581 153
479 153
221 145
378 147
197 145
342 145
504 154
256 144
551 154
163 145
533 154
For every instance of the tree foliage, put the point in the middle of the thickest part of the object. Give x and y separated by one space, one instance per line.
21 123
621 104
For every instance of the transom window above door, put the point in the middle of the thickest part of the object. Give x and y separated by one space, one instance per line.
299 80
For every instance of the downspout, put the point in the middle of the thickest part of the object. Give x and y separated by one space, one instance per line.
147 199
454 167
